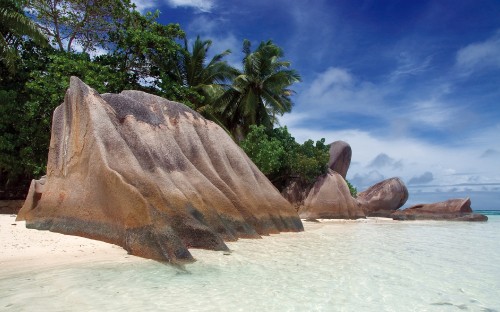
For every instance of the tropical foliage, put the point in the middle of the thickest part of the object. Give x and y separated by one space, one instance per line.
204 81
260 92
14 25
137 52
78 24
282 159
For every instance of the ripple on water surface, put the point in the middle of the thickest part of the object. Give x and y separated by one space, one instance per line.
357 266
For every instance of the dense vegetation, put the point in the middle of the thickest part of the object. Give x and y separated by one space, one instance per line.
282 159
137 52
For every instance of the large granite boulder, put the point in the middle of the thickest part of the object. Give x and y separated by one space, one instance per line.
383 198
340 157
452 209
330 198
296 193
340 160
152 176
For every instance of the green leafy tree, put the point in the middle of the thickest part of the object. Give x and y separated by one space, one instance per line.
353 190
29 98
146 51
282 159
13 26
139 49
311 160
86 23
260 92
266 152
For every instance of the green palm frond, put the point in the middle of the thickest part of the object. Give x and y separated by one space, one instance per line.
262 91
13 22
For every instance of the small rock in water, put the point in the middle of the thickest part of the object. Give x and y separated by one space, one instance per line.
227 253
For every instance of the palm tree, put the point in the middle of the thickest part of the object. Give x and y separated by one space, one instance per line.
260 92
207 81
14 25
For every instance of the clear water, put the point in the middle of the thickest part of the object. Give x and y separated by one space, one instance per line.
357 266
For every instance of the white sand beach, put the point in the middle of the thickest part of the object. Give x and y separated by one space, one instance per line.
29 248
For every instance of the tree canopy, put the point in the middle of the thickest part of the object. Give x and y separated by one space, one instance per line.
261 91
13 26
82 23
137 52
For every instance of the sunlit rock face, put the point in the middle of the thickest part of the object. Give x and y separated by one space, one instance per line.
152 176
340 157
383 198
330 198
339 162
452 209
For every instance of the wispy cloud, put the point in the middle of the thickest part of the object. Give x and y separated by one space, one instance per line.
201 5
408 65
480 55
337 90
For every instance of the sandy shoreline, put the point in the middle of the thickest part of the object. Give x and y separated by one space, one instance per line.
24 248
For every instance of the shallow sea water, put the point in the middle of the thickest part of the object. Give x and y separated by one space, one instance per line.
354 266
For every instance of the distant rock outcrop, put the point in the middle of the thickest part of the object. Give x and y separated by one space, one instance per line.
330 198
340 157
152 176
383 198
452 209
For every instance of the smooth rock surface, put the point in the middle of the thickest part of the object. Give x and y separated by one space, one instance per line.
452 209
340 157
330 198
152 176
383 198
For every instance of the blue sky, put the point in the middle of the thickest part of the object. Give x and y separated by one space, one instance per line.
413 86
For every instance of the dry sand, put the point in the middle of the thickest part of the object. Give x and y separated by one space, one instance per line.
22 248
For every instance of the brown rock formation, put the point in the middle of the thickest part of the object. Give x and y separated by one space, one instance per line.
10 206
383 198
330 198
452 209
340 157
296 193
152 176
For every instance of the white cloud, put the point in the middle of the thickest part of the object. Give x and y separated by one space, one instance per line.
143 5
432 112
337 90
456 170
209 29
479 55
330 79
202 5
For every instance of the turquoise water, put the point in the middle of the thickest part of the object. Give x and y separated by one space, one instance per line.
333 266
